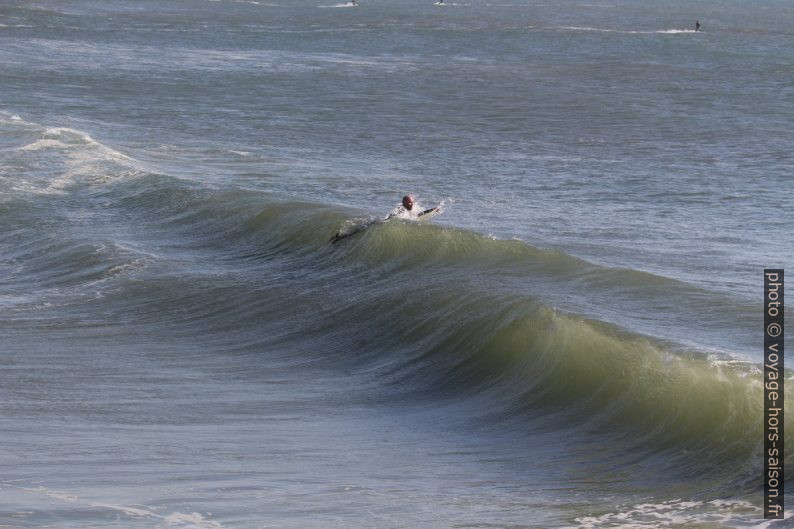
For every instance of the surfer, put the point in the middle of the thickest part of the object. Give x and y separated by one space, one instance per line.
697 25
405 210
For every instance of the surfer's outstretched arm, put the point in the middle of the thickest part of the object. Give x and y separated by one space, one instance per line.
431 210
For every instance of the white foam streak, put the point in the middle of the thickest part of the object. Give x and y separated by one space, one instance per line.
42 144
675 513
191 520
72 156
625 31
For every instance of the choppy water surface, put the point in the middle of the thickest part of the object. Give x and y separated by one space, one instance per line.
573 342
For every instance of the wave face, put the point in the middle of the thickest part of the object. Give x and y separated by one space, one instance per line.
414 311
103 253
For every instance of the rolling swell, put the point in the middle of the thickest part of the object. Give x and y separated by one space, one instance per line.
410 311
524 365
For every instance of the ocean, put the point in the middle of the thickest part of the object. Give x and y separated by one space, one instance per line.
574 341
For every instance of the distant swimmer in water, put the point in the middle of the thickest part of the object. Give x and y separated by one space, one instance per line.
697 25
404 211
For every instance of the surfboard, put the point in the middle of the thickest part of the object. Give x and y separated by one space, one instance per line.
432 213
